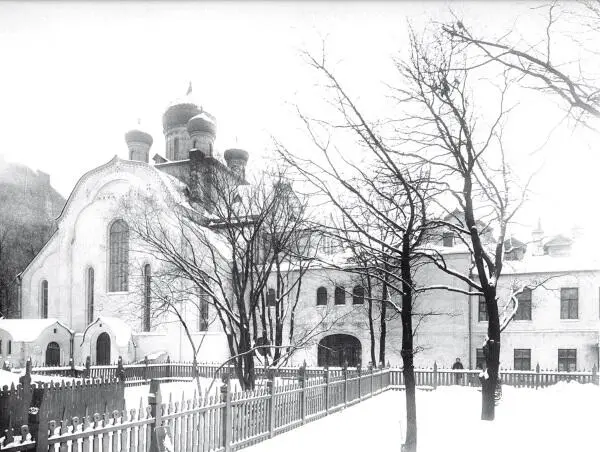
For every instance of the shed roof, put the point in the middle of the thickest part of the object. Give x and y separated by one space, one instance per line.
28 330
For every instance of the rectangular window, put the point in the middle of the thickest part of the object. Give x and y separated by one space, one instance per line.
524 308
567 359
569 303
522 358
479 359
1 352
483 314
9 347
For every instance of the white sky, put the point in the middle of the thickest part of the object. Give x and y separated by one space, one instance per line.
76 76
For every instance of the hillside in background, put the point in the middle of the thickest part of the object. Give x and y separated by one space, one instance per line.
28 207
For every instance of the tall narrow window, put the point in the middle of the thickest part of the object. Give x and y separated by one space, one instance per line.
203 310
340 295
90 295
176 148
321 296
358 295
524 308
44 307
569 303
483 314
147 296
119 257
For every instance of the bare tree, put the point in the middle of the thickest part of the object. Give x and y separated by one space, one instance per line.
538 65
391 190
226 246
467 153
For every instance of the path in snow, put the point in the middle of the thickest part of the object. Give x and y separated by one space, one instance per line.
563 417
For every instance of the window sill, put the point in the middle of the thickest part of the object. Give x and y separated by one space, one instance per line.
570 320
125 292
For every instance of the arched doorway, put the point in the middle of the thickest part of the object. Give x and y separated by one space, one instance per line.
336 349
103 350
53 354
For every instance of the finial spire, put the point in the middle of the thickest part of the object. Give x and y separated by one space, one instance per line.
189 90
139 121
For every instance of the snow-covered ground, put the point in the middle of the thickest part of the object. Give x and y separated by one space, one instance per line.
563 417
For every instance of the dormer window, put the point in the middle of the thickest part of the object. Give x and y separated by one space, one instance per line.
558 246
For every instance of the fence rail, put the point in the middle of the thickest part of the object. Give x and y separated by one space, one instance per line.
235 420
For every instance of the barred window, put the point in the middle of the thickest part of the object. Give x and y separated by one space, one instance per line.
567 359
340 295
358 295
203 310
321 296
524 308
522 358
44 300
147 297
483 314
569 303
90 294
119 257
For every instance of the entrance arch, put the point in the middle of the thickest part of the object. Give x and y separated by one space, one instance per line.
103 350
53 354
336 349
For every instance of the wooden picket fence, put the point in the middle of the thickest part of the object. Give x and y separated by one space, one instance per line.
226 423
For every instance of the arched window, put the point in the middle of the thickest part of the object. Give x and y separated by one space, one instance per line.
118 272
90 294
321 296
271 297
358 295
44 299
203 310
340 295
175 148
147 296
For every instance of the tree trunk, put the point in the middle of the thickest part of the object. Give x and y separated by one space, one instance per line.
383 324
370 314
410 444
491 351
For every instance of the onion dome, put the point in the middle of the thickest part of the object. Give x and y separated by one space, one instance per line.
236 154
138 136
180 111
202 123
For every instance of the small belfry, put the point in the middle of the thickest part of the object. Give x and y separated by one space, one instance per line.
139 143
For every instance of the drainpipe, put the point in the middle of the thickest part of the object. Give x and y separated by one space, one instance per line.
470 320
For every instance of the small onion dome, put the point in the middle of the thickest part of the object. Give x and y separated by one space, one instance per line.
179 113
138 136
202 123
236 154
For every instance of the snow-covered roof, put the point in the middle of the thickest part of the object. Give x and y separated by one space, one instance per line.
120 329
550 264
28 330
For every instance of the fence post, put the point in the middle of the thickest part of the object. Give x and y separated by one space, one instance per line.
120 370
155 403
271 386
88 367
326 377
595 375
537 375
302 381
346 384
72 366
146 367
359 371
371 369
435 375
227 414
25 381
169 371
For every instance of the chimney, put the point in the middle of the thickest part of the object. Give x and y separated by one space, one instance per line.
236 161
